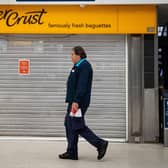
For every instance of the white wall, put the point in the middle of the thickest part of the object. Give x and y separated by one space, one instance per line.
4 1
94 2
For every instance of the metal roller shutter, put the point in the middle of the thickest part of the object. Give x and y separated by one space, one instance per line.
34 105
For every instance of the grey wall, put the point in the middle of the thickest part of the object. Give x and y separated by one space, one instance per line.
135 105
143 89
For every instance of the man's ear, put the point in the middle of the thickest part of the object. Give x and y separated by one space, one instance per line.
79 57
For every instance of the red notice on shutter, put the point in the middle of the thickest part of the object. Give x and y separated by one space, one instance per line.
24 66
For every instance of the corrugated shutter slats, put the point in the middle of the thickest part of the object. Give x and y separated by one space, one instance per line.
34 105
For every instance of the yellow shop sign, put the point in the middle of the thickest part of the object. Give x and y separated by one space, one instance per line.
13 18
93 19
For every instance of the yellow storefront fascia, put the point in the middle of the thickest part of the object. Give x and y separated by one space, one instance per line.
73 19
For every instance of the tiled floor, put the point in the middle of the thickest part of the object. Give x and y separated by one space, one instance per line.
44 154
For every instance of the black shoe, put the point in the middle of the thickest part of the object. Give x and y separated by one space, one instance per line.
102 150
67 156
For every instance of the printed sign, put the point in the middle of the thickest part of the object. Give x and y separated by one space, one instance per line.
24 66
73 19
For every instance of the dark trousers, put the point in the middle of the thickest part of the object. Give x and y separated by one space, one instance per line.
76 126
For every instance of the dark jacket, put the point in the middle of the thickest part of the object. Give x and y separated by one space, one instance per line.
79 84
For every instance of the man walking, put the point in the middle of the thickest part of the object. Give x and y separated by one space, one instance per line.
78 97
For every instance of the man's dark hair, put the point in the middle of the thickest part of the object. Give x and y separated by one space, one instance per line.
80 51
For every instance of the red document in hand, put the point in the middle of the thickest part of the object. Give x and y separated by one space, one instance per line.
75 113
73 110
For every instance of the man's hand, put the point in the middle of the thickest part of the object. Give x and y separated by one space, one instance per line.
75 106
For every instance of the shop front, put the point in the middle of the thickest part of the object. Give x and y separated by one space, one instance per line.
35 48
